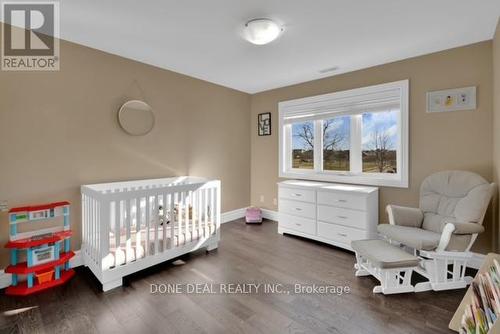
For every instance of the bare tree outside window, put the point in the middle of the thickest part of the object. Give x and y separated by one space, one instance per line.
336 142
379 151
381 142
303 145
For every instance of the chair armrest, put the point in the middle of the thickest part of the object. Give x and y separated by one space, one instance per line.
467 228
457 228
404 216
448 230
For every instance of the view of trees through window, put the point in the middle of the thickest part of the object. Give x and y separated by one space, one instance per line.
380 136
336 143
379 143
303 145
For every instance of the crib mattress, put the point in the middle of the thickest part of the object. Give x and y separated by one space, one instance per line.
131 251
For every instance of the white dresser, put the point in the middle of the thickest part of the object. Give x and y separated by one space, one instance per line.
333 213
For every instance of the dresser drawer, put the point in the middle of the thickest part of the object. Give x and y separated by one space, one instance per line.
296 208
342 200
297 194
340 233
346 217
299 224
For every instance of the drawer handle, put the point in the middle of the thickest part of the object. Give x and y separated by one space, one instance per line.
297 195
342 200
298 224
298 209
342 217
342 234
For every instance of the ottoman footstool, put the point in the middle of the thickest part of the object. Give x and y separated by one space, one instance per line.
389 264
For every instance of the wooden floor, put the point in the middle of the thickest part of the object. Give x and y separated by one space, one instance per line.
246 254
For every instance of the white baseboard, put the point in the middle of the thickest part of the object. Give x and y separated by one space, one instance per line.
270 214
232 215
76 260
4 279
240 213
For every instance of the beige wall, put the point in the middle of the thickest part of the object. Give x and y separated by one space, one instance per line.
496 126
59 130
459 140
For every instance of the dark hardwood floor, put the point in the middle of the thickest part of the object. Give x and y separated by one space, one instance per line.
246 254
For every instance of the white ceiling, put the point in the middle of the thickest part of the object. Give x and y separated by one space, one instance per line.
201 38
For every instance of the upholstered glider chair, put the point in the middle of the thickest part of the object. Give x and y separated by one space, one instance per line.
441 232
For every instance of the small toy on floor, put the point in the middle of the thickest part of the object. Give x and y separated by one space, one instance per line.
253 215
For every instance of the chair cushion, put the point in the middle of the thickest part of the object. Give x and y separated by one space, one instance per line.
383 255
453 196
411 236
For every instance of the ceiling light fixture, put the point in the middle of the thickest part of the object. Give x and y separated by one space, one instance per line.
261 31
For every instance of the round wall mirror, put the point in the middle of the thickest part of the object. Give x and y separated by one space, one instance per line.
136 118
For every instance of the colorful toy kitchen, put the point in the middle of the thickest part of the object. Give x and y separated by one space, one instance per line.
39 255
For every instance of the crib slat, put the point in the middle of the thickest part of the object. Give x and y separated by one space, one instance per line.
201 214
198 214
138 237
205 209
188 236
218 207
196 226
164 227
148 217
172 197
212 210
96 240
94 234
180 227
184 220
156 220
117 224
99 230
91 232
182 213
104 226
89 226
186 217
86 222
126 212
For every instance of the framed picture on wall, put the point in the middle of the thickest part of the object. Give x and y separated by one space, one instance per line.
264 124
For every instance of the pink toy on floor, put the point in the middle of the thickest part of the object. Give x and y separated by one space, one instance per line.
253 215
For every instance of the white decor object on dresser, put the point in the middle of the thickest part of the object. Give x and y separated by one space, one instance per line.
328 212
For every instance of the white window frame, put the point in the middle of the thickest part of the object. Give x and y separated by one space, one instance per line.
311 105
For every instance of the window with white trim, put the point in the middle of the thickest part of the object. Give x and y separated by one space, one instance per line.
356 136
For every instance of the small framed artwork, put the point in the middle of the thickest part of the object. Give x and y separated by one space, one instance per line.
452 100
264 124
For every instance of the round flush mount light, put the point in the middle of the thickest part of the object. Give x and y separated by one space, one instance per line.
261 31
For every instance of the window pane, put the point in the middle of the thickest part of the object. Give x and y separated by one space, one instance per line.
380 138
336 143
303 145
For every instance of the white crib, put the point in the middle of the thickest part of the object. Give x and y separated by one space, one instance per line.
129 226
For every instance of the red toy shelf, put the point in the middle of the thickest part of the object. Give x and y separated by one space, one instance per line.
22 288
47 250
27 243
23 269
39 207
